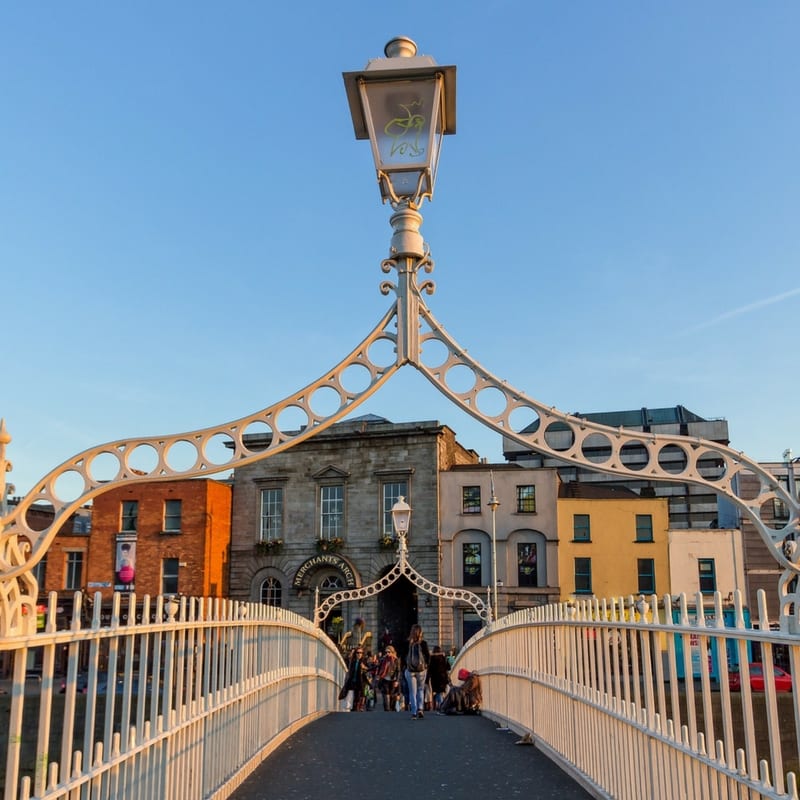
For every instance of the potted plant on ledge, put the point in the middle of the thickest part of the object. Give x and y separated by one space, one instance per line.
387 542
268 547
333 545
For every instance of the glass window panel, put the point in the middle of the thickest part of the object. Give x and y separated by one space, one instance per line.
331 512
74 576
172 516
707 575
271 592
271 514
644 528
527 570
471 553
583 576
130 515
646 576
471 500
581 528
392 492
526 499
169 576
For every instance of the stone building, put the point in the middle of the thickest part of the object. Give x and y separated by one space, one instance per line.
316 518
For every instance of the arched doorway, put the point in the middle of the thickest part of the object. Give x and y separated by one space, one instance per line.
397 612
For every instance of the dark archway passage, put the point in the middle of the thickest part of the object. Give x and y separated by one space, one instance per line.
397 612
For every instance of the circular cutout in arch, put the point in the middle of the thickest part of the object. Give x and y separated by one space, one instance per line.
69 486
596 448
460 379
559 436
292 420
524 420
766 511
219 449
104 467
257 435
355 378
143 459
181 456
672 459
382 353
325 401
634 455
491 402
712 466
433 352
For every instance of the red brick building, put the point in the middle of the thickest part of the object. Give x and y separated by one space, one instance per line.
161 537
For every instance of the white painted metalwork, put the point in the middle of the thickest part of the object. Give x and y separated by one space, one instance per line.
22 547
635 705
224 687
401 569
175 701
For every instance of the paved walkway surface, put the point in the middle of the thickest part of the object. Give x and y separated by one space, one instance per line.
378 754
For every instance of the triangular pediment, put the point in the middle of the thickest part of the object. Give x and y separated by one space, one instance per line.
330 472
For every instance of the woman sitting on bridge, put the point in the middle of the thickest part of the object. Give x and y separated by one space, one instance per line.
464 699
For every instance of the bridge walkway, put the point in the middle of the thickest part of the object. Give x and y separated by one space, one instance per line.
378 754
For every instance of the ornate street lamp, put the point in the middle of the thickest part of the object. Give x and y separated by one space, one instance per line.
403 104
401 516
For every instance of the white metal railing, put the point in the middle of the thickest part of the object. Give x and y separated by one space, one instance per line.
170 701
183 700
635 697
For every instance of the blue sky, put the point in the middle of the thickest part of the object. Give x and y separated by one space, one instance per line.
189 231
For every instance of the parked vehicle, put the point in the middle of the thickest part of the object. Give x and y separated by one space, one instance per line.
82 682
783 680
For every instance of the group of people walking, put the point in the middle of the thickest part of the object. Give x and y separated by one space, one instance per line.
418 683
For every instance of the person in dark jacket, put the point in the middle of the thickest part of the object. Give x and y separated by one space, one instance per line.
438 676
417 660
356 681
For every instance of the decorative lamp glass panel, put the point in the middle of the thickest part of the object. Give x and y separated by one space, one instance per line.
404 118
401 513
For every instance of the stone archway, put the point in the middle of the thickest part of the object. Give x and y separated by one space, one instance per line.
397 612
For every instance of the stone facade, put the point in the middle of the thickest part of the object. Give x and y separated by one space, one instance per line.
352 471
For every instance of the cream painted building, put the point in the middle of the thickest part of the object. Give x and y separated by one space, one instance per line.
706 561
525 536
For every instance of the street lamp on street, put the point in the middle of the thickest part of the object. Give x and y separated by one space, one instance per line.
493 504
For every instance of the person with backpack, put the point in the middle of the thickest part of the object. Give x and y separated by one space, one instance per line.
417 661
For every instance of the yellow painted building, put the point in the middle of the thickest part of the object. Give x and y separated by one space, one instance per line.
611 543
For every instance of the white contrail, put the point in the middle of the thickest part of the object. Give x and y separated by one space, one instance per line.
736 312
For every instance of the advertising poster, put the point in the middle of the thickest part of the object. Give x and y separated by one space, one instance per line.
125 569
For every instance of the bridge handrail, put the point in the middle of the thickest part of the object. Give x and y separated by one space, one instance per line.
602 687
206 688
